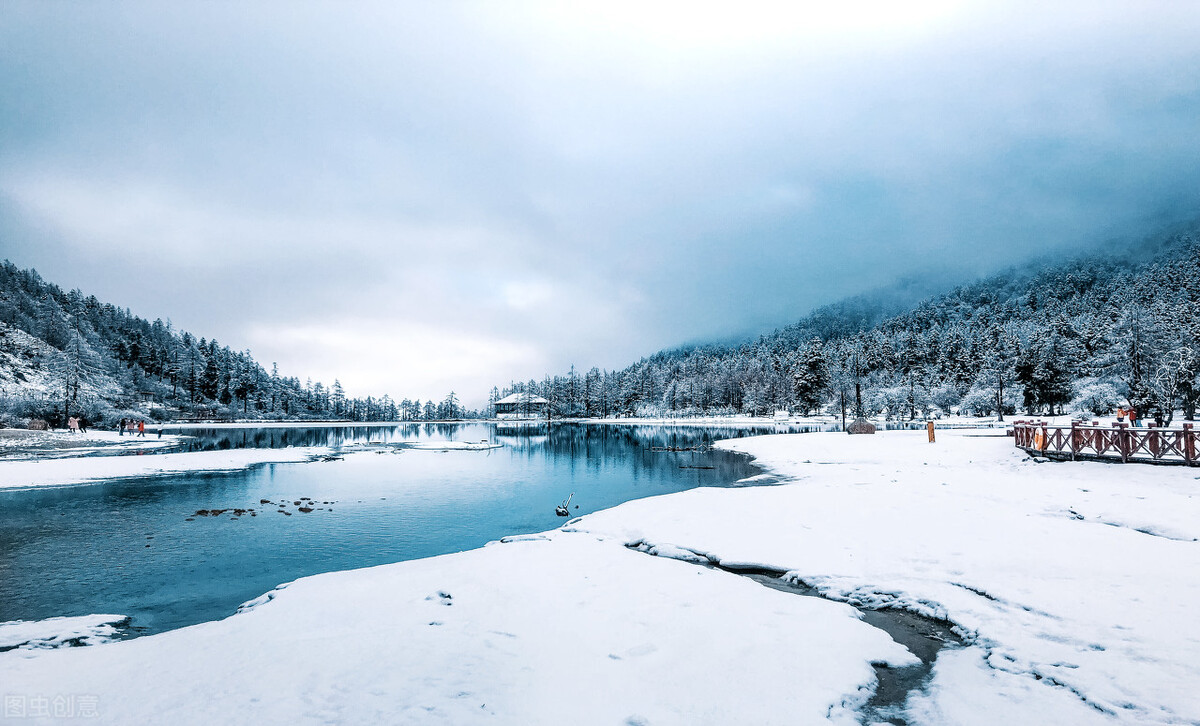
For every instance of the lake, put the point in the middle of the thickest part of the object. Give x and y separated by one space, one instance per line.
137 547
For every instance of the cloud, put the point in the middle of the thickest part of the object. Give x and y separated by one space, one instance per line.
571 184
407 359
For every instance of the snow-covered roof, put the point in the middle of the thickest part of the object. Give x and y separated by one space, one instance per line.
522 398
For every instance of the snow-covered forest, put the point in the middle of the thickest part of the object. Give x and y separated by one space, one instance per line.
63 353
1082 336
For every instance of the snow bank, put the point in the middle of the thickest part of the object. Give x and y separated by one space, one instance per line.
565 629
21 444
449 446
57 632
966 690
81 470
1078 578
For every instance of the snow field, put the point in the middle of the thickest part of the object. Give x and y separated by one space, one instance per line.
568 628
1074 584
1041 566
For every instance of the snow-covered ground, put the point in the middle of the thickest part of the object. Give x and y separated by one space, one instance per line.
1077 582
556 630
81 470
1074 585
24 444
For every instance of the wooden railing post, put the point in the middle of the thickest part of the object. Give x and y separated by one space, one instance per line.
1152 437
1074 440
1189 444
1122 441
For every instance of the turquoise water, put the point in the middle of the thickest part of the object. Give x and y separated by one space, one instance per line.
127 546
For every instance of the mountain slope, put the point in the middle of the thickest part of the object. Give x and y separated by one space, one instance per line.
63 353
1121 326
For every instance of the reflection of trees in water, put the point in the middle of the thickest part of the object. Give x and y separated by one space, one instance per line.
218 439
593 446
279 438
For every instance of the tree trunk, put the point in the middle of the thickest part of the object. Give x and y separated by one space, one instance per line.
912 399
1000 397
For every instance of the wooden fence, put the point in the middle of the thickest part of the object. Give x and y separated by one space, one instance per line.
1119 442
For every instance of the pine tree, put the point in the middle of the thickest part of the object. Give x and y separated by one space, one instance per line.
337 397
210 380
810 376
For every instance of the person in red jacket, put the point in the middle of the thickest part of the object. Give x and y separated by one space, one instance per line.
1134 419
141 428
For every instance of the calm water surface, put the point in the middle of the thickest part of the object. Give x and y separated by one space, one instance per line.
126 546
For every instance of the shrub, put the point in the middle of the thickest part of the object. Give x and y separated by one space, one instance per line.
1095 396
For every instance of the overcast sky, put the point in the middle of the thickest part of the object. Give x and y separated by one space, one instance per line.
414 197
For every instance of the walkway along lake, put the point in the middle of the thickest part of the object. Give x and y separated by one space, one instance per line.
136 546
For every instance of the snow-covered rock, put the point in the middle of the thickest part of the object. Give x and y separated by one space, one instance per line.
57 632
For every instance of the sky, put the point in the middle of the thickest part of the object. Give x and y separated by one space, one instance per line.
414 197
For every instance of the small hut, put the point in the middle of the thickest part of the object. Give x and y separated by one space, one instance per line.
521 405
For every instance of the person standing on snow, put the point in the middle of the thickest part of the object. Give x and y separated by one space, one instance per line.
141 428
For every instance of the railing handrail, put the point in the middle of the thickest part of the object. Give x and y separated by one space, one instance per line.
1119 441
1102 427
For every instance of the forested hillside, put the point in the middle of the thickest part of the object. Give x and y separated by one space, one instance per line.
63 353
1082 336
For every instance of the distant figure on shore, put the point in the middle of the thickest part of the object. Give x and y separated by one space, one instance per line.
83 425
1120 415
121 428
1134 419
73 425
141 428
